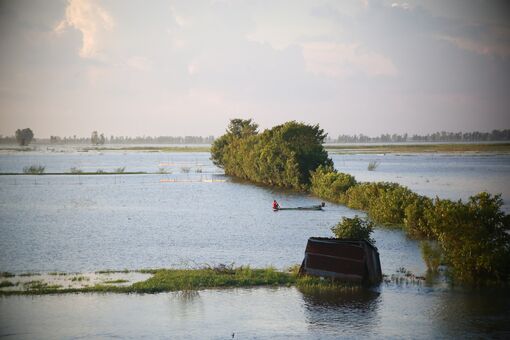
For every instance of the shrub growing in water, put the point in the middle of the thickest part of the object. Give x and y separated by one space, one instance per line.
474 236
355 227
327 183
282 156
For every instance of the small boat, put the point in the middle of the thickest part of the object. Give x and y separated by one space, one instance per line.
312 207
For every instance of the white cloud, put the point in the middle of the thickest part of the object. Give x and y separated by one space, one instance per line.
403 5
88 17
339 60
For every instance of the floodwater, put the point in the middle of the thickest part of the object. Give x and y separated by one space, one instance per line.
88 222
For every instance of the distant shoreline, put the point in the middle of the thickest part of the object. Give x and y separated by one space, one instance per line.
485 147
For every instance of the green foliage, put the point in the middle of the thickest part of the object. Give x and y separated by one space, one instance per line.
24 137
415 222
283 156
34 169
330 184
431 253
390 204
355 228
474 237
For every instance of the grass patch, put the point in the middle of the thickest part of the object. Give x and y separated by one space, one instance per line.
112 271
80 278
29 274
189 280
6 283
116 281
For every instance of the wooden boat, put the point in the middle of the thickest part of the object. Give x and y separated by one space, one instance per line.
312 207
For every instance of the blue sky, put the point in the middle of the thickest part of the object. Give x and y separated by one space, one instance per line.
186 67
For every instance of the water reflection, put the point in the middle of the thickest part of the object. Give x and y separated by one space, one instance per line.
342 311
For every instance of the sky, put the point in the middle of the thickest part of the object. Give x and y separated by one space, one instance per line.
150 68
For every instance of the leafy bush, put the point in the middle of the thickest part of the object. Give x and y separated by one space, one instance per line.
283 156
330 184
415 222
474 237
390 204
355 227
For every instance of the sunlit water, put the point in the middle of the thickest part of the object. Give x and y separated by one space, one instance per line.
85 223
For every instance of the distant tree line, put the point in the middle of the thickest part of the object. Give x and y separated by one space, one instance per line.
100 138
443 136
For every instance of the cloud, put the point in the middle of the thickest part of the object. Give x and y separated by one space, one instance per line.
88 17
479 46
339 60
403 5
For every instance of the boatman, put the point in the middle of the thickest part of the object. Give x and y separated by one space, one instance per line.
276 206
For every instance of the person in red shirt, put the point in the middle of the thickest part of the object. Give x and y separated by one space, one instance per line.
276 206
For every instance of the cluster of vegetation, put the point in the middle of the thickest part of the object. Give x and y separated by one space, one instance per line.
188 280
472 236
34 169
443 136
282 156
355 228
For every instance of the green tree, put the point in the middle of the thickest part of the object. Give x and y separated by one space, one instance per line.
24 137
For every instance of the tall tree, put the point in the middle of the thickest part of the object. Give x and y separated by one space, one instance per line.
24 137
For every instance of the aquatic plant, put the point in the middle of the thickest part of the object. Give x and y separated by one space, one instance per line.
75 170
372 165
34 169
116 281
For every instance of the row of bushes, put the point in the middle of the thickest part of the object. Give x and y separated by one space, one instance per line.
473 236
282 156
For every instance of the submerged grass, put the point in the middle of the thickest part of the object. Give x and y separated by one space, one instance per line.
169 280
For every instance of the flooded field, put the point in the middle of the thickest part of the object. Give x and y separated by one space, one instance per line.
177 217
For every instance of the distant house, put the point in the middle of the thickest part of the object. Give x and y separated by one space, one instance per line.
343 259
